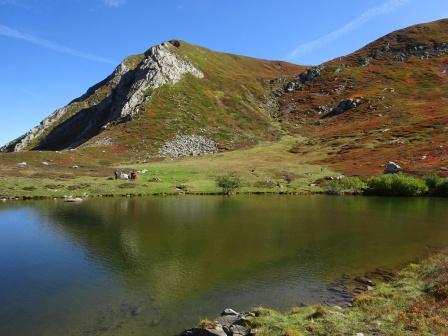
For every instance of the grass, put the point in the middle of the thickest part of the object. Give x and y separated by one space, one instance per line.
266 168
413 304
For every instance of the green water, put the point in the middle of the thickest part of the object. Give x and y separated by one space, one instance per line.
154 266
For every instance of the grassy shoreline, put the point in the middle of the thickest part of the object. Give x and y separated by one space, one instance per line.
267 168
414 301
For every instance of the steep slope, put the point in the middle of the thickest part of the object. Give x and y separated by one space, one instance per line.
173 89
387 101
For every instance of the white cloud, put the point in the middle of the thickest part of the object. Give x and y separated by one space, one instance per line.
15 34
385 8
114 3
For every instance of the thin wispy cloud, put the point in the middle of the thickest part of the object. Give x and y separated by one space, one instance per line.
114 3
385 8
9 32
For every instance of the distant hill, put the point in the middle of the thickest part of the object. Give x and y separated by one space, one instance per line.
386 101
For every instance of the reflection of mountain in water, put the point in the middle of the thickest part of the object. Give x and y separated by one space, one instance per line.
182 247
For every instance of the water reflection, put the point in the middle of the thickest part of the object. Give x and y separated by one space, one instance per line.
154 265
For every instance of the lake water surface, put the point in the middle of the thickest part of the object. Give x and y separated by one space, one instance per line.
154 266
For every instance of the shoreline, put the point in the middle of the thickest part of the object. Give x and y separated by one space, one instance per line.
165 194
412 300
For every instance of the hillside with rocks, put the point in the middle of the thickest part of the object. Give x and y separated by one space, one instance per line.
384 102
173 89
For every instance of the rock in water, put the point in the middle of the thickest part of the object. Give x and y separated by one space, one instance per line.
392 168
73 200
218 331
228 311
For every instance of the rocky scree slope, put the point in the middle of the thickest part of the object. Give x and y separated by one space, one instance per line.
386 101
172 90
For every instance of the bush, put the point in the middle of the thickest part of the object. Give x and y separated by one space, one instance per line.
396 185
346 185
228 184
438 186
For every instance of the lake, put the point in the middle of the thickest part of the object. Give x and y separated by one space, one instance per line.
155 266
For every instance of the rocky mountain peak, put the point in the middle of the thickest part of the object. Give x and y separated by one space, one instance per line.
116 99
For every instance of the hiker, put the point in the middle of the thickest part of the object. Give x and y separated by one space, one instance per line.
117 174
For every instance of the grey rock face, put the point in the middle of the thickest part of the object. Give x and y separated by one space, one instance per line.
161 66
188 145
129 88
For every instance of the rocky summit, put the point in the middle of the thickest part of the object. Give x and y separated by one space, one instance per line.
116 99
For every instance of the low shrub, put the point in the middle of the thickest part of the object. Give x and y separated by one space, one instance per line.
207 324
346 185
396 185
228 184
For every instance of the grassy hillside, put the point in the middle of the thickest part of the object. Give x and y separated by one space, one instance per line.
231 105
401 82
266 168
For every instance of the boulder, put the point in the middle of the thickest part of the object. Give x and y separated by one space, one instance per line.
21 164
228 311
235 330
73 199
392 168
365 281
343 106
217 331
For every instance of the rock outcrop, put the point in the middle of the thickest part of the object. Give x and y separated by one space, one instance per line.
344 106
230 323
306 76
114 100
403 53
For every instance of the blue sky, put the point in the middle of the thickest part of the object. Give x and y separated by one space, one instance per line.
52 51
